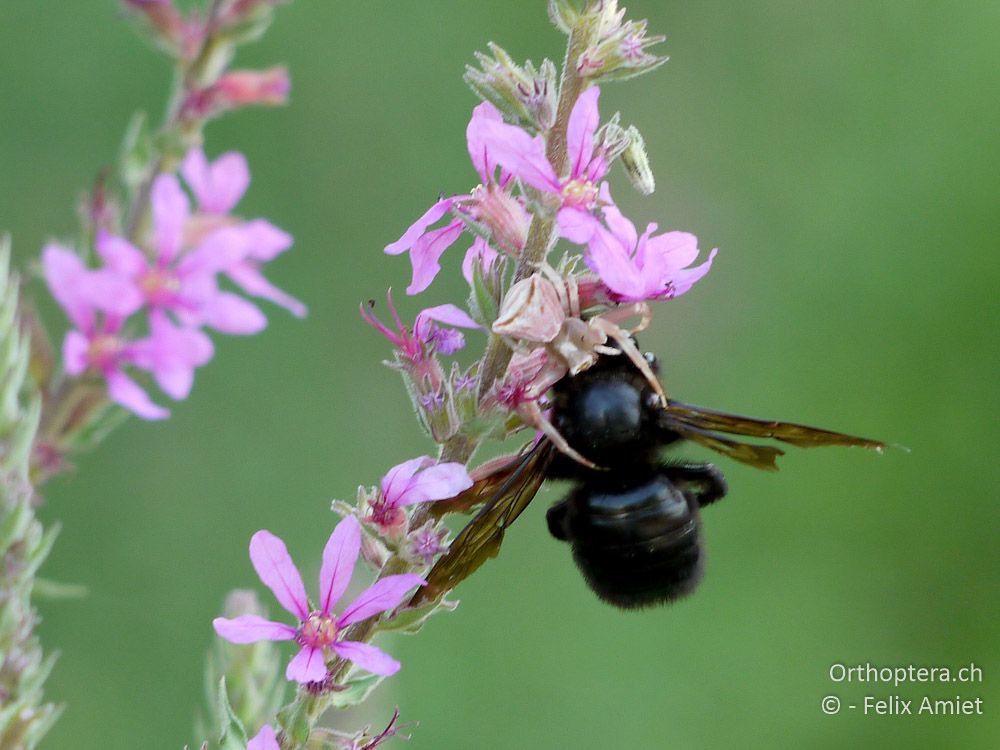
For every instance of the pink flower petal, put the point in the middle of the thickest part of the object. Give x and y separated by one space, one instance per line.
478 148
249 278
367 657
608 259
417 229
621 228
121 255
435 483
126 392
172 353
265 740
230 313
480 249
252 628
307 666
396 480
74 351
448 314
576 225
660 255
170 212
521 155
580 129
216 252
219 186
426 253
63 270
339 556
383 595
265 241
111 292
686 278
274 565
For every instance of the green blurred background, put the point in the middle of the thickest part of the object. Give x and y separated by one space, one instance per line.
843 156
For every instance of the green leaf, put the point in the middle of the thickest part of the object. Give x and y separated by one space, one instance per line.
232 733
484 303
355 690
412 619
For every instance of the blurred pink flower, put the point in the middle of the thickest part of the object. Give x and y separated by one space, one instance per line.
635 269
184 283
578 192
319 629
490 204
97 303
218 186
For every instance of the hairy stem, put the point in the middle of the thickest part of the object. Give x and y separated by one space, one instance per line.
542 233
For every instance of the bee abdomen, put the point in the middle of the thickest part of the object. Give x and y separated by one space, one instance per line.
635 545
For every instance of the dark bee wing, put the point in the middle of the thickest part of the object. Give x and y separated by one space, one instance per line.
510 490
701 425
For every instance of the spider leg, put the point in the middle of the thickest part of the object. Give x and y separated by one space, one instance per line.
630 350
532 413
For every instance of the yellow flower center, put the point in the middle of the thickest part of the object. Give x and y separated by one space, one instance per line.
318 630
103 351
159 286
580 194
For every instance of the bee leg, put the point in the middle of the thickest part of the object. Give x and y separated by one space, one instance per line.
701 482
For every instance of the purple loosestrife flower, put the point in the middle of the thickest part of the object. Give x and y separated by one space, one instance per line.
218 186
490 204
418 345
265 739
578 192
419 480
319 630
184 283
97 303
636 269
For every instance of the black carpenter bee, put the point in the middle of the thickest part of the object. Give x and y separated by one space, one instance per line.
633 523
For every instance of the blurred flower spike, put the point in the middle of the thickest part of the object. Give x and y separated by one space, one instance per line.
319 630
174 279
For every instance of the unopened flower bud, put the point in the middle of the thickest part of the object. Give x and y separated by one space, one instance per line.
240 88
636 162
563 14
619 47
505 217
163 20
523 93
373 551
